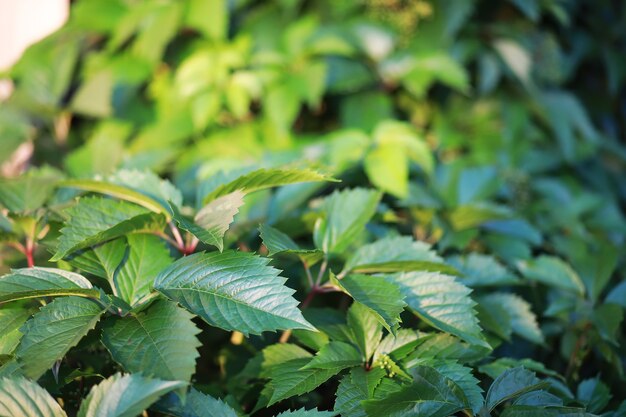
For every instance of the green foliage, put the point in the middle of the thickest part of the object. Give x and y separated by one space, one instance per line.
291 208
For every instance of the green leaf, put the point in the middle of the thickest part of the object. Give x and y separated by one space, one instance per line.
431 394
20 397
40 279
124 396
553 272
345 215
160 342
497 367
366 328
288 379
441 301
382 297
398 346
234 291
393 254
28 192
532 411
475 214
212 221
278 242
266 178
357 386
522 320
335 356
196 404
56 328
147 256
95 220
462 376
387 167
306 413
510 384
607 319
117 191
480 270
11 319
101 260
150 185
594 394
617 295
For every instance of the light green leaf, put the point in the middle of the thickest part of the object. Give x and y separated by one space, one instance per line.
288 379
357 386
480 270
554 272
20 397
117 191
278 242
147 256
382 297
234 291
471 215
212 221
393 254
124 396
523 320
11 319
40 279
306 413
366 328
29 191
160 342
399 345
56 328
345 214
510 384
443 302
335 356
101 260
150 185
95 220
431 394
266 178
387 167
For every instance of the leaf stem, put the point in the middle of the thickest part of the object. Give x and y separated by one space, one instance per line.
309 277
180 244
321 272
29 250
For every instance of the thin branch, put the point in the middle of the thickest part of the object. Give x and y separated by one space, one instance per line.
321 272
180 244
309 277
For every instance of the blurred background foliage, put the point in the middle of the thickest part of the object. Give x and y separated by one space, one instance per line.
496 128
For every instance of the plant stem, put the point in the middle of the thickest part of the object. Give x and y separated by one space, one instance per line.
309 297
573 358
29 251
321 272
309 277
180 244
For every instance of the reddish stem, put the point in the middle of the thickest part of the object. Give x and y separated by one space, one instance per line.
29 250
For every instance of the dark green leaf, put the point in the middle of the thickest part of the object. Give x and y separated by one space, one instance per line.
160 342
56 328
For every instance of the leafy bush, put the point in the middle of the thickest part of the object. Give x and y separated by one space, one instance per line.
379 208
